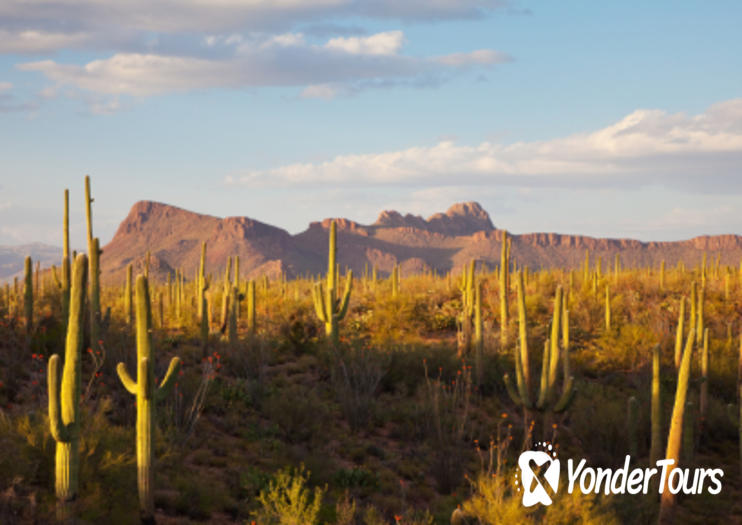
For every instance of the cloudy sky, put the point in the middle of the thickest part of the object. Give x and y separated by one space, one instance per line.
601 118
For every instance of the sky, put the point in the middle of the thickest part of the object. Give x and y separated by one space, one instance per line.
610 119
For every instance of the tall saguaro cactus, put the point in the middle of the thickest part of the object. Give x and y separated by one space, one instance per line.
94 270
329 309
675 436
65 284
547 400
28 294
504 281
64 421
656 444
201 283
147 395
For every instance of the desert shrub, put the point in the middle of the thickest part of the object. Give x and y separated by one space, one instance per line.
297 411
288 501
448 406
356 372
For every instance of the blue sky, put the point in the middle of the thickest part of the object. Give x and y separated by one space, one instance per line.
601 118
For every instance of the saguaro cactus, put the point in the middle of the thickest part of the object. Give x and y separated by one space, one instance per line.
675 436
201 282
251 307
94 305
64 403
656 445
504 281
326 304
679 333
546 401
147 395
128 303
65 283
28 294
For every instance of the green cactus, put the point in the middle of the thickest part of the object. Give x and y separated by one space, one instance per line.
147 395
64 403
128 303
326 304
655 448
236 283
94 305
467 308
675 435
662 275
632 416
679 333
504 280
703 398
607 309
251 307
28 294
64 285
204 325
547 401
699 314
225 293
395 281
234 301
201 283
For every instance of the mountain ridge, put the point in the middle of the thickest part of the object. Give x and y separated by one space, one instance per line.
442 242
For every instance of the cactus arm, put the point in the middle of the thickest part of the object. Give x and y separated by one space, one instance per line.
520 381
555 326
346 296
169 379
319 305
567 395
511 390
545 387
129 384
523 333
58 429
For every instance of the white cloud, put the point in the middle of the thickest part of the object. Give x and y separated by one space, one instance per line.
47 25
704 150
387 43
340 66
5 86
480 57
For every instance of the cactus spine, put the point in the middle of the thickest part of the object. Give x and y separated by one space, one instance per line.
146 395
328 308
64 422
28 294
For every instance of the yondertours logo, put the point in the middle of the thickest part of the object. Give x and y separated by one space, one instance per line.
540 470
539 475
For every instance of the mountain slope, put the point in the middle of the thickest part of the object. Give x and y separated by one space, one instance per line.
442 242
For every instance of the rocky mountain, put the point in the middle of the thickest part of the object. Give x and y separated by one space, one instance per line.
442 242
